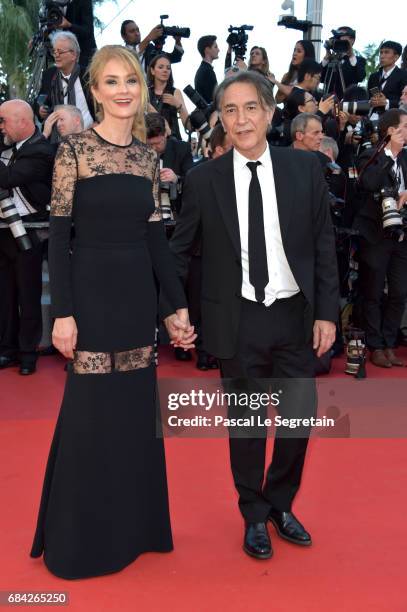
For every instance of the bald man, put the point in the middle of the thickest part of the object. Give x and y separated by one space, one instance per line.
26 161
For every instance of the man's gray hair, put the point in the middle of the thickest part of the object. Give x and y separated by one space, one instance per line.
329 143
73 110
262 85
60 35
300 122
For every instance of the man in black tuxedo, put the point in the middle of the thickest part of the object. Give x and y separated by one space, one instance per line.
65 82
389 80
380 255
145 49
269 288
26 172
353 66
78 19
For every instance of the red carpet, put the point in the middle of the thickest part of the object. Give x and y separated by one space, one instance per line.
352 500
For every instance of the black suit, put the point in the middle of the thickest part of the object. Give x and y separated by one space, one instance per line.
351 75
80 14
151 51
20 272
392 87
245 335
50 75
380 257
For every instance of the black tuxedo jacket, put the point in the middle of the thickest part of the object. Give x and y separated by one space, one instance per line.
369 220
47 78
392 88
80 14
150 52
31 171
209 212
177 156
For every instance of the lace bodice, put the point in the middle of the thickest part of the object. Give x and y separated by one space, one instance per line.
86 155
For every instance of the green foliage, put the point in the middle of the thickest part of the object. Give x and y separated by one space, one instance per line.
371 53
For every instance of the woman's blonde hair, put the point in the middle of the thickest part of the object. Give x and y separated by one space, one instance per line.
99 61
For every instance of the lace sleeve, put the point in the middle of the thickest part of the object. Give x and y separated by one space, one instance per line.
60 225
64 180
156 216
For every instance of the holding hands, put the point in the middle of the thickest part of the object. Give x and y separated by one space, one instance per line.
179 329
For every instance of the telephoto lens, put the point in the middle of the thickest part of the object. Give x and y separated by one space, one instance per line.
13 220
391 217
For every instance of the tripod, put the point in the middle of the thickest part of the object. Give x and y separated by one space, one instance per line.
333 71
41 59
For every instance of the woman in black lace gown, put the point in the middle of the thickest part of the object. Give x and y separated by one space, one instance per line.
104 498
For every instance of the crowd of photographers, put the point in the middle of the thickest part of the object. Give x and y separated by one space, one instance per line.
358 132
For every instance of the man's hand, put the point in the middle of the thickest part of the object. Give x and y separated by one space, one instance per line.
65 24
343 119
324 336
43 112
179 329
402 199
378 100
168 176
65 335
396 143
155 33
49 123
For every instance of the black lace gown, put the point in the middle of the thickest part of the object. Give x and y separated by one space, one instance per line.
104 498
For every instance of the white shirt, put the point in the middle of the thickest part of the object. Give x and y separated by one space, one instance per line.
80 101
397 169
281 280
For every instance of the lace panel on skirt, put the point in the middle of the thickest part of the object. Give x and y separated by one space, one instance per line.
88 362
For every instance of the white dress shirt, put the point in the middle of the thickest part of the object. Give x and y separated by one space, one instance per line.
281 280
80 101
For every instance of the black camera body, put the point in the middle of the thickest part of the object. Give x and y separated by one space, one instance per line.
238 38
170 31
338 47
51 15
200 116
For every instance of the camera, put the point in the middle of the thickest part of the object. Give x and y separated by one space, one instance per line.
394 221
337 46
52 15
238 38
13 220
357 107
170 31
200 116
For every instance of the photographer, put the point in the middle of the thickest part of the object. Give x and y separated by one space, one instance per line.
175 160
145 49
67 120
387 84
65 82
77 17
205 78
353 66
383 249
25 185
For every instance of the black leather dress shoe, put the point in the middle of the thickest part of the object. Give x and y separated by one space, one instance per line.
257 541
27 368
182 355
7 362
289 528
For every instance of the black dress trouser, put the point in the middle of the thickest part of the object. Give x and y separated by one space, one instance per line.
20 291
272 344
382 318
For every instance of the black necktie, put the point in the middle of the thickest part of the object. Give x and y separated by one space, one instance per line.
258 271
65 83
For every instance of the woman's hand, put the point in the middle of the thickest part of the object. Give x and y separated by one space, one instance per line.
179 329
65 335
170 99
